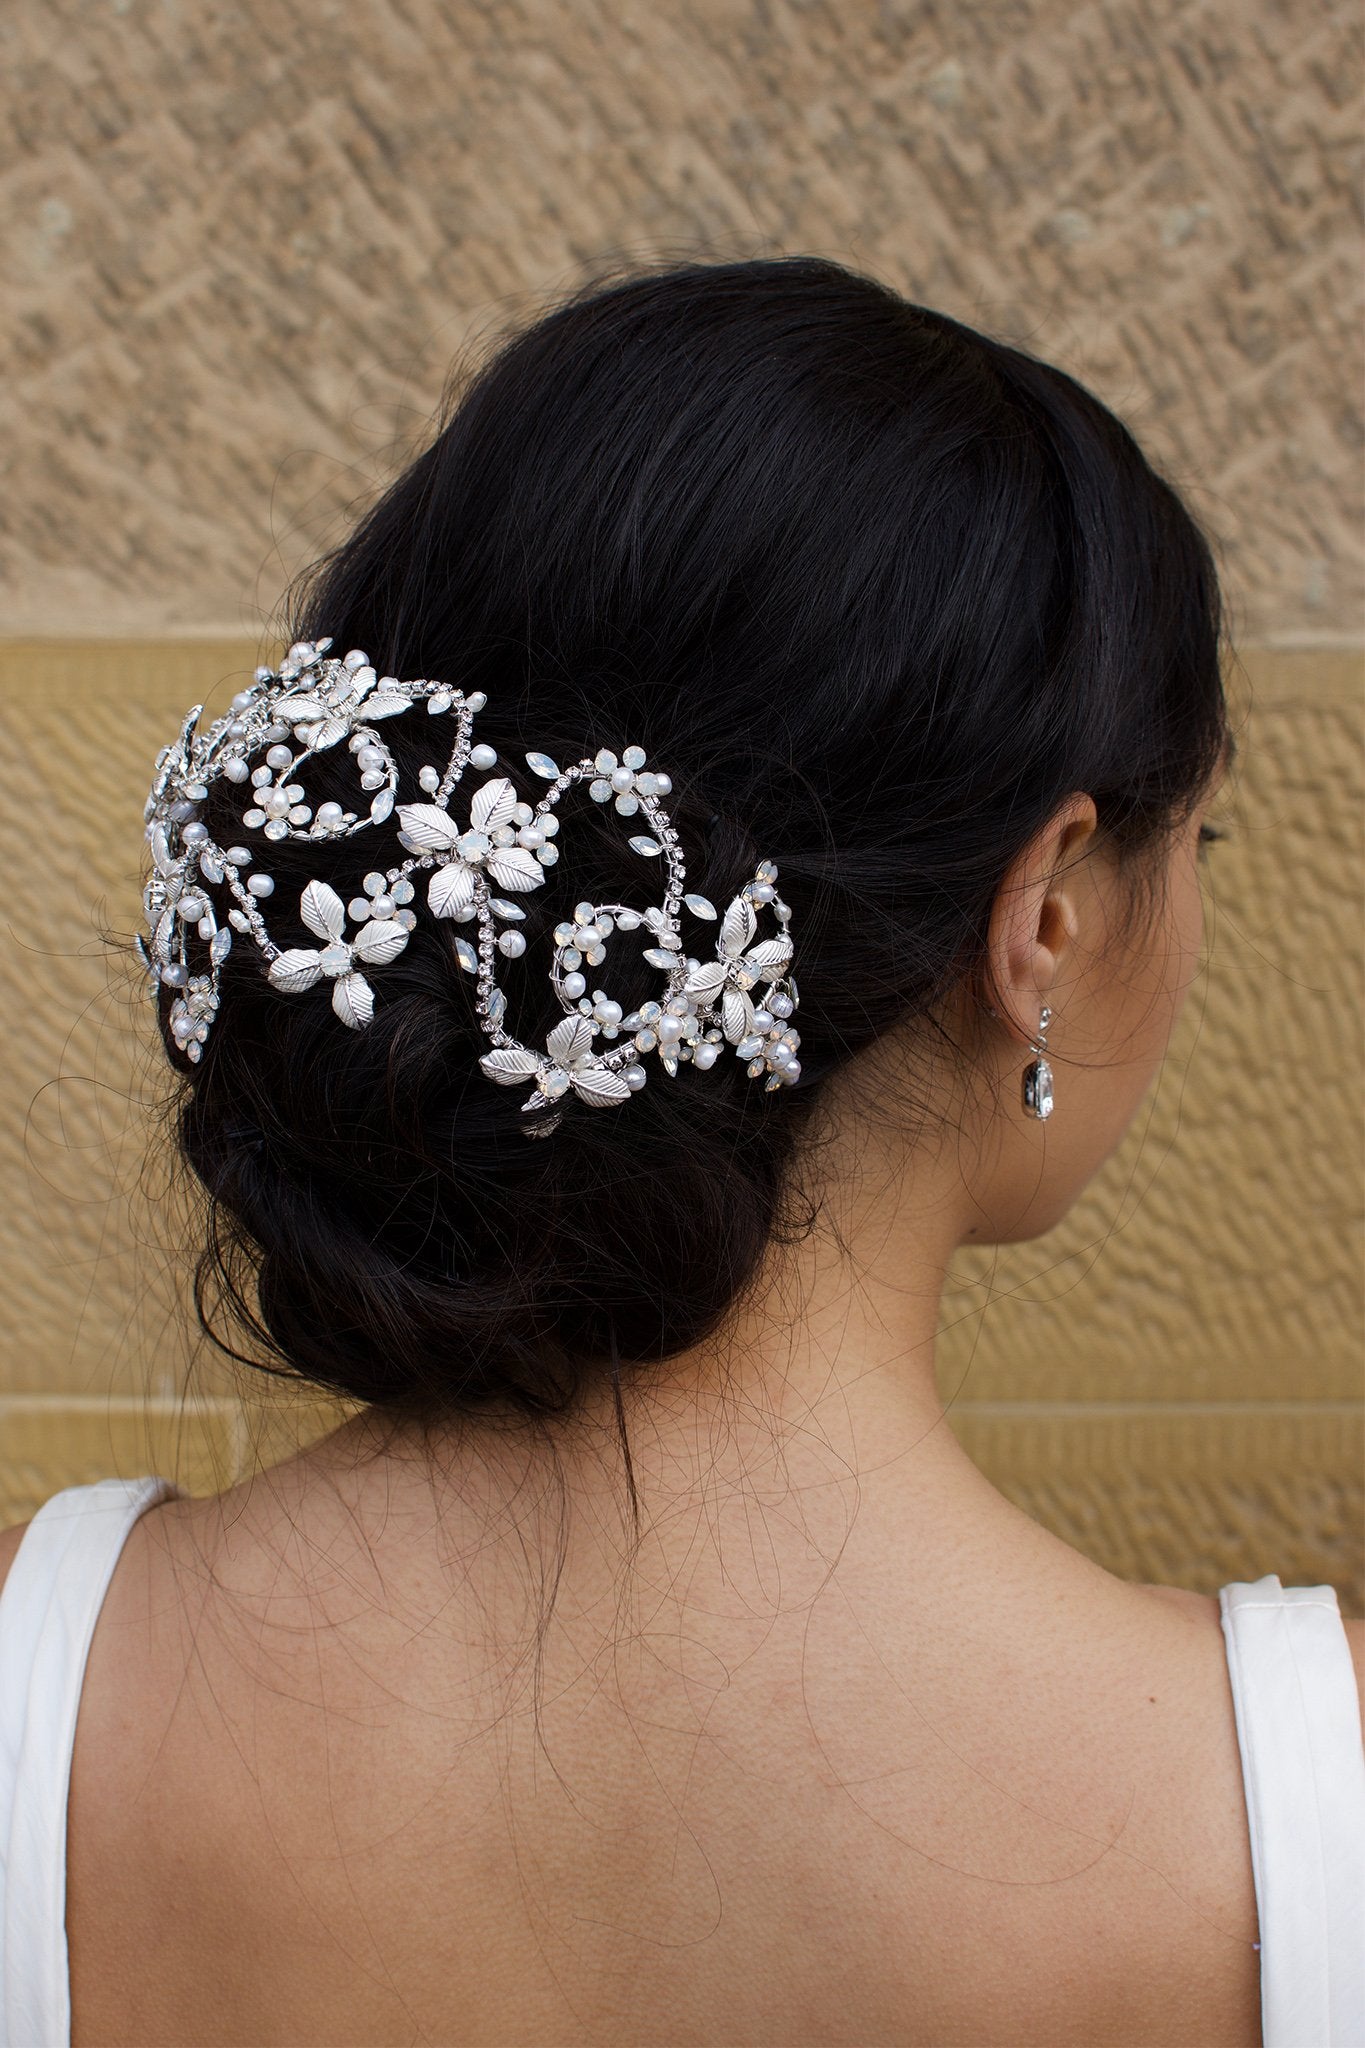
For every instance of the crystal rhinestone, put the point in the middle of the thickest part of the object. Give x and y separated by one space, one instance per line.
542 765
406 918
468 958
500 905
439 701
552 1083
604 760
640 844
600 791
358 909
547 855
276 828
220 945
1038 1089
700 906
209 868
497 1007
659 956
633 757
253 819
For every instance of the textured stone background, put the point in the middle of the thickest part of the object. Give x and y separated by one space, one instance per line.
242 250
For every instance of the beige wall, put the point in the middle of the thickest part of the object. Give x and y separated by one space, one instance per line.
242 250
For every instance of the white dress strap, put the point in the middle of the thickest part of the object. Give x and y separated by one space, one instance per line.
48 1610
1299 1732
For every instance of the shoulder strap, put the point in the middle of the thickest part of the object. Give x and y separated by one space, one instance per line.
1298 1729
48 1610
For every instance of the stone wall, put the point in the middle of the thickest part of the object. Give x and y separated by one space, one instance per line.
246 247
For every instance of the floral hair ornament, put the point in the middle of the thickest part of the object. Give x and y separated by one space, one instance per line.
477 859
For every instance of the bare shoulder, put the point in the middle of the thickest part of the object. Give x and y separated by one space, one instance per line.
10 1539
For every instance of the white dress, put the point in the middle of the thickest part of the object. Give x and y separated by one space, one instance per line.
1293 1689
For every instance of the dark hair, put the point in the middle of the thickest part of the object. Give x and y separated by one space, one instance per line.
879 592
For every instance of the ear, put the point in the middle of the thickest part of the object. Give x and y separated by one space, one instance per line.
1035 919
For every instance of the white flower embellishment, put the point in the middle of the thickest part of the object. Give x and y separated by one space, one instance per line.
377 941
729 978
490 844
571 1065
325 715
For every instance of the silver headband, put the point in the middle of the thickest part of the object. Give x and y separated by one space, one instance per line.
312 703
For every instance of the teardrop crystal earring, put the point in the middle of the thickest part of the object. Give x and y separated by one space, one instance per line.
1038 1074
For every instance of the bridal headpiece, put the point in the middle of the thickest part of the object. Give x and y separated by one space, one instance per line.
476 852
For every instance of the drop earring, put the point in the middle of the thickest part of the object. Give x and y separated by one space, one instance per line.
1038 1074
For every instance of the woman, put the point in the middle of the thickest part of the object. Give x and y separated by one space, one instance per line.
645 1663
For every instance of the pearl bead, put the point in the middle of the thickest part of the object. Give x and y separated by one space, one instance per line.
275 804
368 757
511 943
235 769
483 757
244 699
240 856
706 1054
574 985
329 815
634 1078
261 885
280 757
383 906
621 778
670 1030
195 835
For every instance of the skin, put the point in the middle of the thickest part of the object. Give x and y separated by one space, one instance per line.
853 1752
